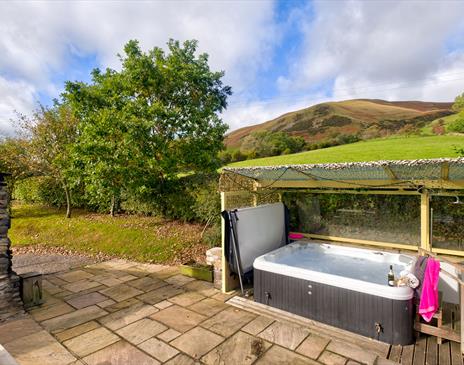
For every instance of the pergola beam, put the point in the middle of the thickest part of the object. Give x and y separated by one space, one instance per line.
364 184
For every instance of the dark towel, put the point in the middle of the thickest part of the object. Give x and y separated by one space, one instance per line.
419 272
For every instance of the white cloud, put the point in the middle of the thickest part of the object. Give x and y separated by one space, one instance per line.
401 45
37 39
15 96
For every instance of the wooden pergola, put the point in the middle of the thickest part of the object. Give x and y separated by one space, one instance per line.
252 186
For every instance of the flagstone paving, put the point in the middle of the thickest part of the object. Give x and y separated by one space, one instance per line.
122 313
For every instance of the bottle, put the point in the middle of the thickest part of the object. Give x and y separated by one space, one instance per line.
391 277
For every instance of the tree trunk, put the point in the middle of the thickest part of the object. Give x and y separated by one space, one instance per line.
113 206
68 201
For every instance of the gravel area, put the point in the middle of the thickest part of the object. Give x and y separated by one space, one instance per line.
48 260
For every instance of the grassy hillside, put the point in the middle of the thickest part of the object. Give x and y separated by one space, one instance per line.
445 120
364 117
400 148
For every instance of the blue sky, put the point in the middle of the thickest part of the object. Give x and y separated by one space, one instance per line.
278 56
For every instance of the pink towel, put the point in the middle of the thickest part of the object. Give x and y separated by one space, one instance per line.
295 236
429 298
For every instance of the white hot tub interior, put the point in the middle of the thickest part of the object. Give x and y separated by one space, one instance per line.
349 262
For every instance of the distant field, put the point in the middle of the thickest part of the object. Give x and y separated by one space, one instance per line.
404 148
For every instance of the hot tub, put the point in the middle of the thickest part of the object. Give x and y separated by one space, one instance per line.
345 287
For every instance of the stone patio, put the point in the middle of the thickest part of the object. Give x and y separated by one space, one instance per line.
122 313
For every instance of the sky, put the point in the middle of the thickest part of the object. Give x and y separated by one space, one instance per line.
278 56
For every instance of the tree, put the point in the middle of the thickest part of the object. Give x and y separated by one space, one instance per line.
143 126
51 134
15 160
268 143
458 103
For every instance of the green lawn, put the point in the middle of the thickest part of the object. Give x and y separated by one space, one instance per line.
401 148
145 239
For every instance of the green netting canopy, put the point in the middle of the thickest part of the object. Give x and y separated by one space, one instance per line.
443 173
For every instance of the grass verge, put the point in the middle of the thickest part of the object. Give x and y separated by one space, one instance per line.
140 238
401 148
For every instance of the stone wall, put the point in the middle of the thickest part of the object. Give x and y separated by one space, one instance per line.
10 301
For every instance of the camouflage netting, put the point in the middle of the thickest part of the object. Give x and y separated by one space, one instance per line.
402 170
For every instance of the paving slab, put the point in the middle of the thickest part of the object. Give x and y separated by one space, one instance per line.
257 325
241 348
121 292
163 304
120 353
227 322
86 300
277 355
106 303
127 316
187 299
50 288
116 306
178 318
179 280
43 313
15 329
72 319
169 335
202 287
223 297
313 346
208 307
91 341
329 358
158 349
76 331
158 295
75 275
39 348
141 330
352 351
182 359
110 281
55 280
197 342
285 334
166 273
81 285
147 284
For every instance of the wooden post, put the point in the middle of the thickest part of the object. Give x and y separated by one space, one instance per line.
425 222
461 305
228 282
255 194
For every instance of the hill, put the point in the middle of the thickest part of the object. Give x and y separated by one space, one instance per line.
367 118
399 148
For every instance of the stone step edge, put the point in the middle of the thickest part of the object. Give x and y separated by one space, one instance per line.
361 342
6 358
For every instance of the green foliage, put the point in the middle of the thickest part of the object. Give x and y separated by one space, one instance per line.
459 103
267 143
212 236
458 124
144 126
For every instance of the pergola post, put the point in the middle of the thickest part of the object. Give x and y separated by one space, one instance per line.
228 282
425 222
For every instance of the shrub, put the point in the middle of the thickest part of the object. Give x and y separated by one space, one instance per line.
458 124
212 236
